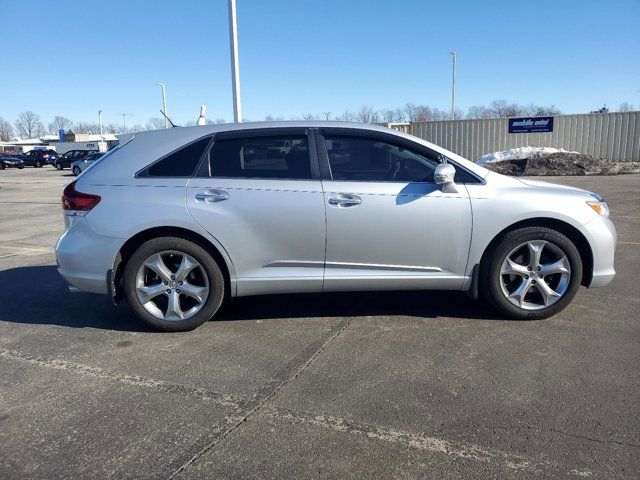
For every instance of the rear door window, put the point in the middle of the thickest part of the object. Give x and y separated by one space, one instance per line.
269 157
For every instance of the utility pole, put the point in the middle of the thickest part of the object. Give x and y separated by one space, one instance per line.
100 123
124 121
235 68
453 86
164 103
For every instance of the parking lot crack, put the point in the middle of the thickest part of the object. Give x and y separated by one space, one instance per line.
135 380
422 442
290 372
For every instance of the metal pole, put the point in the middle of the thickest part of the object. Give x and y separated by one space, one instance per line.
453 87
124 121
164 103
100 122
235 69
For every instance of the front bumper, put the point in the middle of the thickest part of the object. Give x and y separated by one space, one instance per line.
84 257
602 236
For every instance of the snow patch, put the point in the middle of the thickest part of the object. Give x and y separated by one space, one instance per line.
519 153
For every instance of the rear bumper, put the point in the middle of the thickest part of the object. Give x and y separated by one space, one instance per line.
602 238
84 258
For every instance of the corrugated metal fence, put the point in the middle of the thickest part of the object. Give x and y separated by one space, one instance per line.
615 136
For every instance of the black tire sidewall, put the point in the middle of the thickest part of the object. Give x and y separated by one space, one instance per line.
491 278
209 264
76 171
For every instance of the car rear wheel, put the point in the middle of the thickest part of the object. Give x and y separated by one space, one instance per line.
37 164
1 166
76 171
173 284
532 273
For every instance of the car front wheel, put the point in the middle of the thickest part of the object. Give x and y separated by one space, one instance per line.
76 171
58 166
173 284
532 273
37 164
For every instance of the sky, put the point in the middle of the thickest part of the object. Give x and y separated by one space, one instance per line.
73 58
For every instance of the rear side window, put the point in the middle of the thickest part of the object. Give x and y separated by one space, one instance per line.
283 157
181 163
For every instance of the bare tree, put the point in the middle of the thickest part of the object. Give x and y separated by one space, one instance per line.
6 130
388 115
367 114
347 116
113 128
326 116
625 107
155 123
479 111
308 116
540 110
59 123
220 120
268 118
28 125
86 127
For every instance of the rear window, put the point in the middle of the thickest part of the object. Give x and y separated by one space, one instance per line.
181 163
281 157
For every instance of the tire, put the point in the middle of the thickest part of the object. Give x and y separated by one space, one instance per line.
58 166
37 164
498 288
20 167
214 281
76 171
1 166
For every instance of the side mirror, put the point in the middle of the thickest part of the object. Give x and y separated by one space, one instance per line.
444 175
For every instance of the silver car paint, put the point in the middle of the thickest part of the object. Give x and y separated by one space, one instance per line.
271 233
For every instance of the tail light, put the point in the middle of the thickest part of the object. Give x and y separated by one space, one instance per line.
78 201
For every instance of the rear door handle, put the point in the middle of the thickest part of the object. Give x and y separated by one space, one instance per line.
344 200
211 196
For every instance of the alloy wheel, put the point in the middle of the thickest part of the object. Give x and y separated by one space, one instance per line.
535 275
172 285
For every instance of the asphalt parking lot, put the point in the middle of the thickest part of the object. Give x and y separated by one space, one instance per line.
366 385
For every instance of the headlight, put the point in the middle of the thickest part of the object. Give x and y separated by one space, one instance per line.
599 205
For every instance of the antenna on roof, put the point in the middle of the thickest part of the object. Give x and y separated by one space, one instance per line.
168 119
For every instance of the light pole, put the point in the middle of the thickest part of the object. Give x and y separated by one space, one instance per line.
100 123
453 86
124 121
164 103
235 69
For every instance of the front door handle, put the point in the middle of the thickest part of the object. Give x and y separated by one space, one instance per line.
211 196
344 200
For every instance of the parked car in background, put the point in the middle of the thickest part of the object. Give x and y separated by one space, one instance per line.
79 166
9 161
321 207
50 156
71 156
35 158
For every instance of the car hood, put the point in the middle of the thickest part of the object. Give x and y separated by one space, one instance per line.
554 187
541 187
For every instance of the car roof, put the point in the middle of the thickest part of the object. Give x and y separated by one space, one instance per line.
145 146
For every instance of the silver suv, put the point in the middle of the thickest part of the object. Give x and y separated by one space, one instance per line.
178 220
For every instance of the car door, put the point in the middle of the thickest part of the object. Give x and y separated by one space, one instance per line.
389 226
259 194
